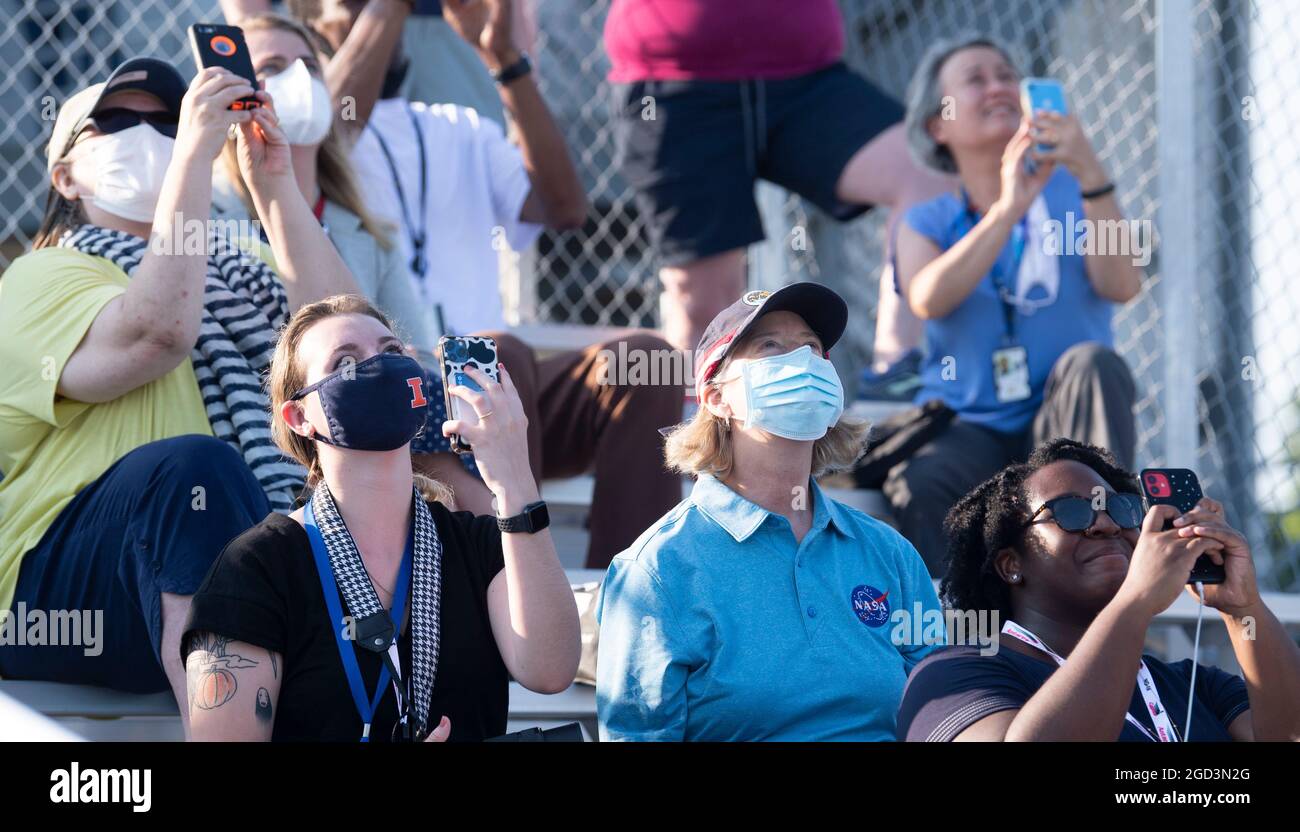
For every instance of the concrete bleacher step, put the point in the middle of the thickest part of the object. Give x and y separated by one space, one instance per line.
50 710
100 714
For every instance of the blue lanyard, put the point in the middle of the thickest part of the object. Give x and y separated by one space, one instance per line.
418 235
366 706
1019 235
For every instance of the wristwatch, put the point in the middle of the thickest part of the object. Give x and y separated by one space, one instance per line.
518 69
531 520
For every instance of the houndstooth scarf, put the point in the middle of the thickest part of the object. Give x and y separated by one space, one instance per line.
244 308
359 592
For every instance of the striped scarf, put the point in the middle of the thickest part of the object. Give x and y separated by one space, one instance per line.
244 308
358 590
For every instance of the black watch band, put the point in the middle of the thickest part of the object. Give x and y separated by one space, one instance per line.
1109 187
531 520
518 69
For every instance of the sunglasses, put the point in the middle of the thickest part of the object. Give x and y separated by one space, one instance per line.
1076 514
117 119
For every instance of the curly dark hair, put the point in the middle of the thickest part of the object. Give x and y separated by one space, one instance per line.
992 517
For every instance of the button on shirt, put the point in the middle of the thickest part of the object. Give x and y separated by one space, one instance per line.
715 625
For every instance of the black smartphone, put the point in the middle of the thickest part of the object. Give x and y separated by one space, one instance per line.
455 353
216 44
1178 487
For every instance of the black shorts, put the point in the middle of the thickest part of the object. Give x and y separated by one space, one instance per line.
692 150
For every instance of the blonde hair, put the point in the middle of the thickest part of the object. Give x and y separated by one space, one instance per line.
288 377
334 171
703 445
61 216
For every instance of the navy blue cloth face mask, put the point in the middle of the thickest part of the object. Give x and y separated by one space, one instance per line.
373 405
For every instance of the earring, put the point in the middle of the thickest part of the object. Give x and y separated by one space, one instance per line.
1015 577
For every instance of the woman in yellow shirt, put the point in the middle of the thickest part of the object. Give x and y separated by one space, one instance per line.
116 393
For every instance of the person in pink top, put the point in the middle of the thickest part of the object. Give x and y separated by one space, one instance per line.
712 95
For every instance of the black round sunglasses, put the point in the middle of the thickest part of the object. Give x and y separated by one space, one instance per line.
1077 514
117 119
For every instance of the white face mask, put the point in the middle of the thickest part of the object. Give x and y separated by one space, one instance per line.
302 103
129 169
796 395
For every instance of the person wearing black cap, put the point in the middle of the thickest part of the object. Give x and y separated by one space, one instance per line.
130 348
759 609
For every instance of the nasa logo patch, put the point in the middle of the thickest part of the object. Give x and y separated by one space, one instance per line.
870 605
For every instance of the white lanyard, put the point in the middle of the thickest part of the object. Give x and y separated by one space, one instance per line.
1146 685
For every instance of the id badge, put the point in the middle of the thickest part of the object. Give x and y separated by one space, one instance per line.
1011 373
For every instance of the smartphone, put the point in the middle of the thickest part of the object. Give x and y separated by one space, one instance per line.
1041 94
1178 487
216 44
455 353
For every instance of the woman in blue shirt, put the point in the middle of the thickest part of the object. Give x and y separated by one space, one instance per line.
1015 276
758 609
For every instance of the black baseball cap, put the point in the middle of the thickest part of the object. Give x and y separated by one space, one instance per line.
822 309
150 75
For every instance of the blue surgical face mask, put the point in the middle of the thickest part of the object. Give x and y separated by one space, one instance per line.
797 395
374 405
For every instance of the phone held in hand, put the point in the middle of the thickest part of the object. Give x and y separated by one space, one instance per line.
215 44
455 353
1041 94
1178 487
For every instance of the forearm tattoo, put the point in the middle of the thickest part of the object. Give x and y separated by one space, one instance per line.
212 682
263 705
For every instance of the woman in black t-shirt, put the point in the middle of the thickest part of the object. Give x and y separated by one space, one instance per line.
270 653
1058 548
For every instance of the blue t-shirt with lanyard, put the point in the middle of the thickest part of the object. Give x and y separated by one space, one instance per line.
961 347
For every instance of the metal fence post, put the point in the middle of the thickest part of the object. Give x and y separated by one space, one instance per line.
1176 152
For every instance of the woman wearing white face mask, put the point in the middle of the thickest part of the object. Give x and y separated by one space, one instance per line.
759 609
287 59
131 454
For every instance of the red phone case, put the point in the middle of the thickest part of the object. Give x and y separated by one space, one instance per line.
1179 487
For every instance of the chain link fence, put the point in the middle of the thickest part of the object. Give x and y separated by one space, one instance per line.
1189 103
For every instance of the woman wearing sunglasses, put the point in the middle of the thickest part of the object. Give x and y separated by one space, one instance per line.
1060 549
134 432
1017 320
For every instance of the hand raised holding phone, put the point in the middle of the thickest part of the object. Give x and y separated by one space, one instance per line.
206 116
1239 590
1161 562
263 149
498 435
1020 187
